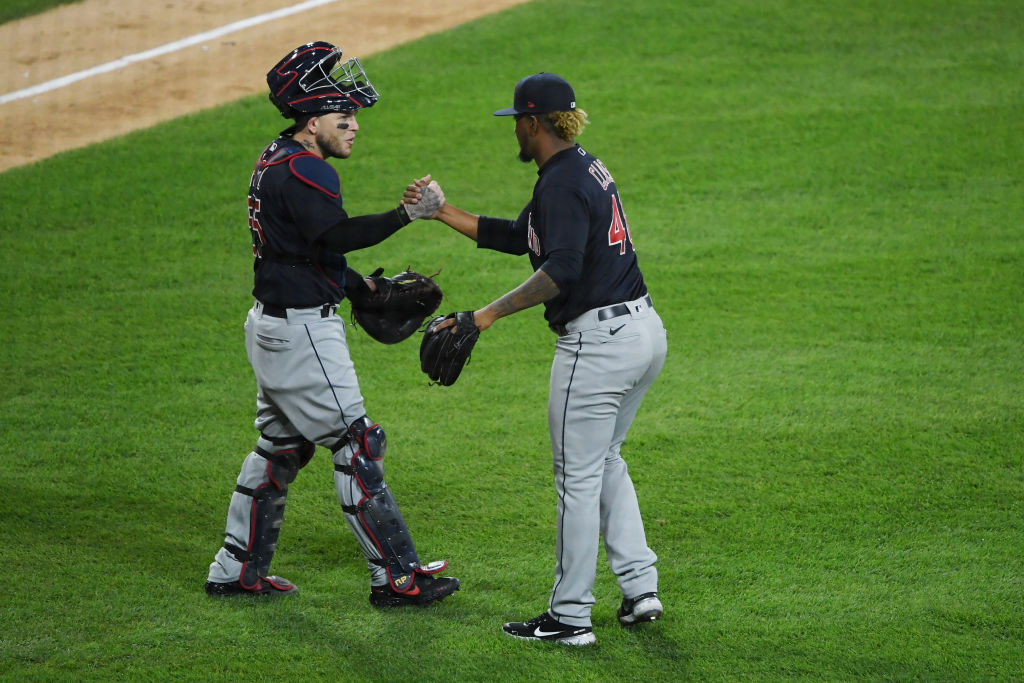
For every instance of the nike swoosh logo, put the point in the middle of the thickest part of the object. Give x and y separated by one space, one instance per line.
540 633
616 329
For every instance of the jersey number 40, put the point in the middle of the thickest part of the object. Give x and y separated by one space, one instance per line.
618 232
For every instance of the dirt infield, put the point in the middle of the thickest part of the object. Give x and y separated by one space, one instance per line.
88 34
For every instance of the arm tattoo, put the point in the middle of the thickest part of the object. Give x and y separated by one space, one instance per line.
537 289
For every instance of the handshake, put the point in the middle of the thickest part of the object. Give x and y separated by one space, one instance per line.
423 198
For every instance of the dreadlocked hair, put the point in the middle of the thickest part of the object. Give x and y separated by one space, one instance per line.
568 124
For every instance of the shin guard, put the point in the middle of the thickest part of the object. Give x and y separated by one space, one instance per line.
257 507
373 513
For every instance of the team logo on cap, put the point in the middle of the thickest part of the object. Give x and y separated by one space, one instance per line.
530 105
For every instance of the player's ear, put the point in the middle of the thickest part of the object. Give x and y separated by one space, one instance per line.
537 126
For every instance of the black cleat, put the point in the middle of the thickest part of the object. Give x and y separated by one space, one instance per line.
546 627
642 608
268 586
425 590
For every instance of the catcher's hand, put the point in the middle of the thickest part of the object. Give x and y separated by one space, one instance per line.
444 352
398 307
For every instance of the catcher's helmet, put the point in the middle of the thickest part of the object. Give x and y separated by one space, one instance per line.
312 79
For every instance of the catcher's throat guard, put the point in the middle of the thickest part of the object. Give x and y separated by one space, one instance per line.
377 512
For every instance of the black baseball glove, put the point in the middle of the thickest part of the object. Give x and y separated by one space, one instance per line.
443 353
398 307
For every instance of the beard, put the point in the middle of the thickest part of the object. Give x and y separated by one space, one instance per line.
332 147
337 151
524 156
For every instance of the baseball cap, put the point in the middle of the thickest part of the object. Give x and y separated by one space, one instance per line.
540 93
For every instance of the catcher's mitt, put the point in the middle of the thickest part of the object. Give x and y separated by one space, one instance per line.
398 307
443 353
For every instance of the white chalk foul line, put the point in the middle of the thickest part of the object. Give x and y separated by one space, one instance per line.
158 51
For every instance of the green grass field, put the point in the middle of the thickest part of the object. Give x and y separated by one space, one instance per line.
16 9
826 200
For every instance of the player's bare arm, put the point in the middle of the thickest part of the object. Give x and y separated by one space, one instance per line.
537 289
463 221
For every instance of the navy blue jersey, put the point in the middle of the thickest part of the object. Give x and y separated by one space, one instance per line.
294 198
575 229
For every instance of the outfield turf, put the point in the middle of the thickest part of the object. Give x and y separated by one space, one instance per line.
16 9
826 201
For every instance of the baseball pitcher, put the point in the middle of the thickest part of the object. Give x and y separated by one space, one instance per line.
611 347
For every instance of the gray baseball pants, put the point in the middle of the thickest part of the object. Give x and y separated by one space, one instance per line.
306 388
600 373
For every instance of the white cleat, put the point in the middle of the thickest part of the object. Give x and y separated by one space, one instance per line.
642 608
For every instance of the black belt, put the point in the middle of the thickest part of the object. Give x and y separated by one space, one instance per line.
275 312
605 314
619 309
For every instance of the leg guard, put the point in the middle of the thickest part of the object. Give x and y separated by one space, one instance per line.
371 509
257 511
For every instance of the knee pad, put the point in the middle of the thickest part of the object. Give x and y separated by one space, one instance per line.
284 459
376 511
257 506
368 444
283 464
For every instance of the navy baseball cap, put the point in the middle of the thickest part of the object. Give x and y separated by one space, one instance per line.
541 93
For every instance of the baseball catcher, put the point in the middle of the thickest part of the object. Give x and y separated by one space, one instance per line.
307 389
448 341
396 306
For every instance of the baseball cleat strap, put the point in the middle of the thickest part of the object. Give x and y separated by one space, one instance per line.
433 567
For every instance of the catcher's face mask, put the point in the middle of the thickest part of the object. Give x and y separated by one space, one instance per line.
345 77
313 78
